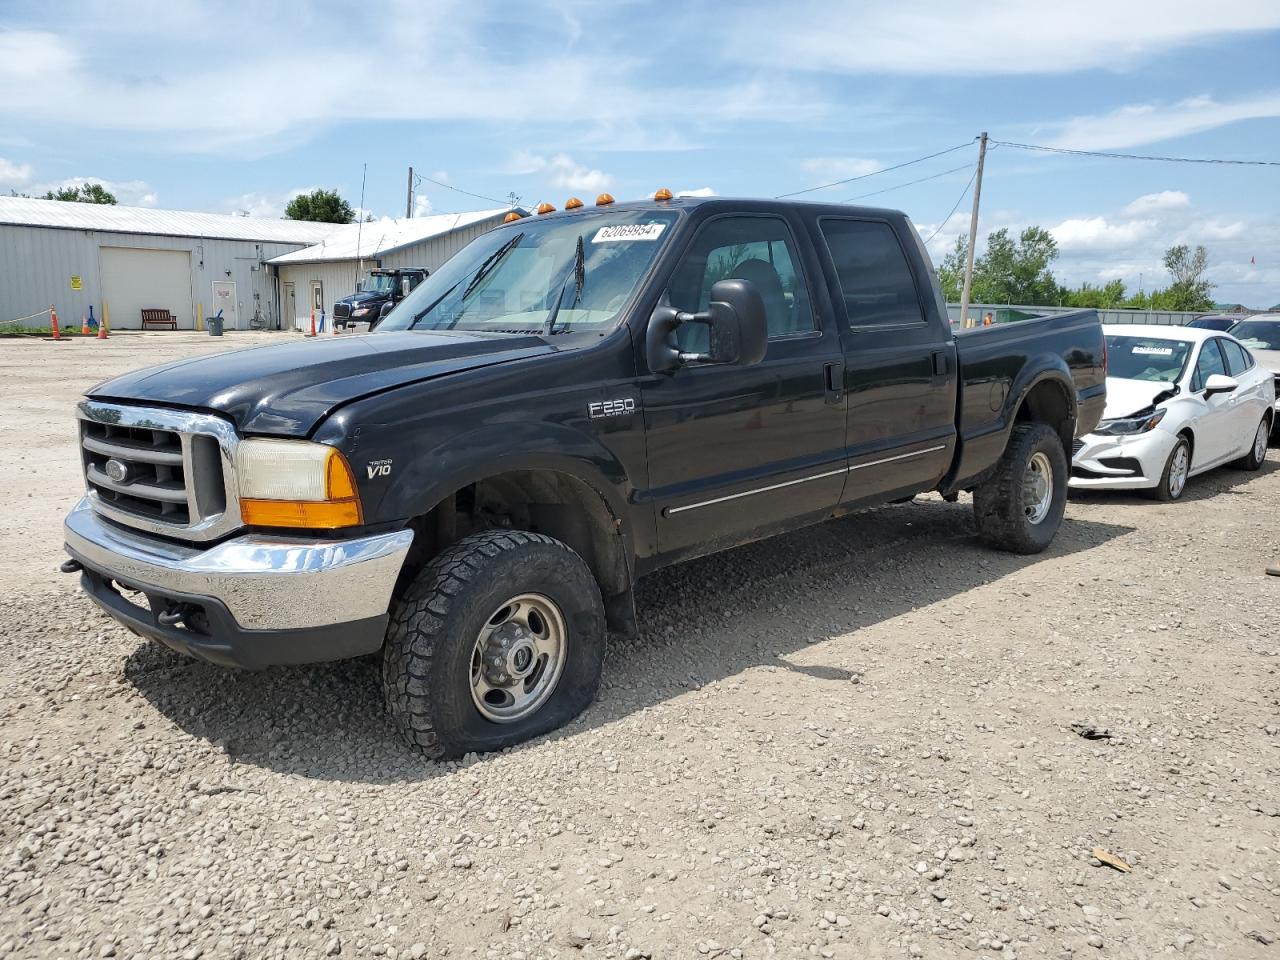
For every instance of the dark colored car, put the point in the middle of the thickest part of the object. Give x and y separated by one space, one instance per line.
572 401
1220 323
380 289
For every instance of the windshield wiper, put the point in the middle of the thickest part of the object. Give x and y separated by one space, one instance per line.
490 263
579 278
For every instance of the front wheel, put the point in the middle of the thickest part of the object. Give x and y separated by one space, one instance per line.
1020 507
1173 479
499 639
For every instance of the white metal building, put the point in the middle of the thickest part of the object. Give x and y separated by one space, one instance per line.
328 271
74 255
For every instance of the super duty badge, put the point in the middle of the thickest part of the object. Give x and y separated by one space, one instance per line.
603 409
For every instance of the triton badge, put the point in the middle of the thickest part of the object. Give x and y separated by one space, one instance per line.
378 468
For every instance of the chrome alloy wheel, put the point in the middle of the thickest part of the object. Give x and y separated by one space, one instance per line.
1178 470
518 658
1037 488
1260 441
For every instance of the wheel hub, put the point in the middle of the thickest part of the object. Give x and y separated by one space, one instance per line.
518 658
509 655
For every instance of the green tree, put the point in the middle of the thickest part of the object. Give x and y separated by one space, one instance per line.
1110 296
1016 271
322 206
951 270
1189 290
85 193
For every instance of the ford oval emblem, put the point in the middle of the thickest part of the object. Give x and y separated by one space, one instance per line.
116 470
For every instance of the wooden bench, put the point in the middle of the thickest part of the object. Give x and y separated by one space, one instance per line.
154 316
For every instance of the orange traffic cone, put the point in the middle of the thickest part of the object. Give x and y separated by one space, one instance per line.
102 328
84 327
313 323
53 323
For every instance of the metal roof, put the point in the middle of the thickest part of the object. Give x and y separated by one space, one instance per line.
378 237
69 215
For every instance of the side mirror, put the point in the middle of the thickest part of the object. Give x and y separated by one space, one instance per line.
1219 383
738 331
383 311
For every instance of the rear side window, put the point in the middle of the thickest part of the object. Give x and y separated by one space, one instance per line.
1237 358
875 278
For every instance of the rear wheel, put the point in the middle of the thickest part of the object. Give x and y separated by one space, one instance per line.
1173 479
499 639
1257 455
1020 507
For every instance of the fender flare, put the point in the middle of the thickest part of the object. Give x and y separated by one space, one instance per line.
1042 368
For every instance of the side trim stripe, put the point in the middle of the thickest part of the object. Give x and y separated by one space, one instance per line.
672 511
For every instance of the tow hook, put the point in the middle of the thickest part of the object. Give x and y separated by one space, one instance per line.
175 615
71 566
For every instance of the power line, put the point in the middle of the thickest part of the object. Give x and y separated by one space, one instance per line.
419 178
1137 156
874 173
910 183
952 213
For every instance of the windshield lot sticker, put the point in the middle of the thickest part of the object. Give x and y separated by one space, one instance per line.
1153 351
629 231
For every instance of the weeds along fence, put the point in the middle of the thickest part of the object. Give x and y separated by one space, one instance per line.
1002 312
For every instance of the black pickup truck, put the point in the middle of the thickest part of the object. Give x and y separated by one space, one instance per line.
572 401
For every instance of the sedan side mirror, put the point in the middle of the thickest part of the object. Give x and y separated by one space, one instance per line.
1219 383
738 331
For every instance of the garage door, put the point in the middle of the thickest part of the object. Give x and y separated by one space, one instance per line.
134 279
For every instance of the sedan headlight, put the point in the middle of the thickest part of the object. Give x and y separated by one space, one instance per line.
295 483
1125 425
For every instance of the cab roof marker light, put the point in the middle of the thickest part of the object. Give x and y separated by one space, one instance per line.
604 200
573 203
511 217
545 208
662 193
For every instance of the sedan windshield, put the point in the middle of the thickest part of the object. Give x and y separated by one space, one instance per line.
1146 358
1258 334
568 274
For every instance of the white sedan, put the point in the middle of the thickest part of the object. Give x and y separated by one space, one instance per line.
1180 401
1260 335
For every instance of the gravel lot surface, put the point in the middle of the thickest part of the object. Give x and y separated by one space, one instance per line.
861 740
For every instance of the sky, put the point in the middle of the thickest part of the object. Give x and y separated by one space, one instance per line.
235 107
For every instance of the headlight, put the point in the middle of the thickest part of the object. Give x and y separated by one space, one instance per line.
1140 424
359 311
295 483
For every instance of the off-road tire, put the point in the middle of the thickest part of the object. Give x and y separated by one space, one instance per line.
997 502
426 661
1162 491
1251 461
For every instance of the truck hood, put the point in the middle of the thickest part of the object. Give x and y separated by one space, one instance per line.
362 297
1125 397
287 389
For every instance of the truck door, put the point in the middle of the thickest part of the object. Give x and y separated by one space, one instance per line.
739 452
899 360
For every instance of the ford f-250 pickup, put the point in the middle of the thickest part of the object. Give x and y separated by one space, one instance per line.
570 402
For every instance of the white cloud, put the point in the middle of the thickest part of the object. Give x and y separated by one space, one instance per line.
1156 202
1142 123
828 169
699 192
270 205
561 171
984 37
422 205
1099 233
14 174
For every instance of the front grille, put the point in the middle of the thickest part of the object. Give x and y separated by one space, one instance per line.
164 471
341 311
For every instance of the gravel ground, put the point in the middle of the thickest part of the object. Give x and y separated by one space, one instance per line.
861 740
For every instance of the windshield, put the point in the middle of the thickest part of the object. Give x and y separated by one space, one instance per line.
378 283
563 275
1146 358
1258 334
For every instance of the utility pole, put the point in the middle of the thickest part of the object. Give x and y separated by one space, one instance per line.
408 197
973 232
364 173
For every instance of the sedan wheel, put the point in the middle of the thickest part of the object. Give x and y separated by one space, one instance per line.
1173 481
1257 455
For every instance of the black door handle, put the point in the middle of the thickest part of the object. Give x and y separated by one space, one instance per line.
833 371
939 363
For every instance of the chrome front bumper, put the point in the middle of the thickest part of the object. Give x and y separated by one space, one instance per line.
265 583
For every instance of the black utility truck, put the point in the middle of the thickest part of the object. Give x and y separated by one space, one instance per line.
572 401
379 290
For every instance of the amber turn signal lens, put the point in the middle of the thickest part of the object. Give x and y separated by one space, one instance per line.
604 200
546 208
662 193
313 515
573 203
511 217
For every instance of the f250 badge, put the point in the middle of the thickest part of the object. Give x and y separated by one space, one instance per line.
378 468
602 409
